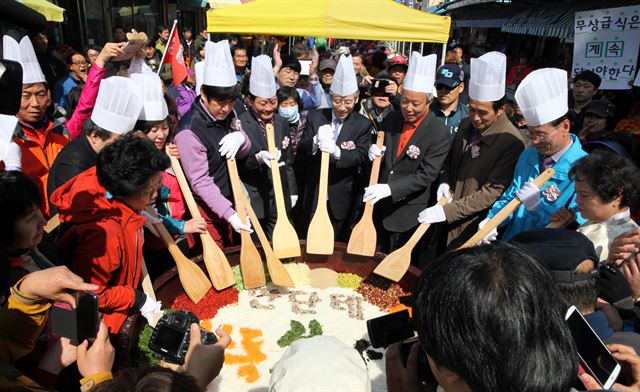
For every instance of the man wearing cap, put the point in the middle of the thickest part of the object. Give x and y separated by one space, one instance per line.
585 87
542 97
255 169
416 145
206 139
482 157
448 108
344 135
327 69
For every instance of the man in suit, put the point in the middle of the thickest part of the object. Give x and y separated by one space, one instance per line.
343 134
482 157
255 169
416 145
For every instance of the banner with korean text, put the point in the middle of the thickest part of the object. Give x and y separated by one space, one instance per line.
606 42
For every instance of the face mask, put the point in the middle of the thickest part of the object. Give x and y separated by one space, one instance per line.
290 113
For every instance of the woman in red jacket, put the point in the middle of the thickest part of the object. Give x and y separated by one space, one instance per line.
101 227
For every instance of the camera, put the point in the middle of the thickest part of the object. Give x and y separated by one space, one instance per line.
378 87
170 338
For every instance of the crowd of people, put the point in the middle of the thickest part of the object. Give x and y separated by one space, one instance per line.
90 147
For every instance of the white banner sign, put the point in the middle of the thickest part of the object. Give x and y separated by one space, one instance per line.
606 42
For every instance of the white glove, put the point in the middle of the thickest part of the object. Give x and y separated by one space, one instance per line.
294 200
11 156
151 311
237 224
150 220
325 132
230 144
374 152
330 147
264 157
433 214
376 193
491 236
444 190
529 195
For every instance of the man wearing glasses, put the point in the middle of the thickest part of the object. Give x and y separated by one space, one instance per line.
77 76
447 107
542 97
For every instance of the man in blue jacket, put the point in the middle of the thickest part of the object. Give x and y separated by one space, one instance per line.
542 97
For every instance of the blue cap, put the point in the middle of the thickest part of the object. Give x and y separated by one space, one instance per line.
451 75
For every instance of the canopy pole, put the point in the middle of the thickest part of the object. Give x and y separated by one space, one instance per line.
422 48
444 53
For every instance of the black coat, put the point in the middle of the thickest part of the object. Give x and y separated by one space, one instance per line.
410 179
256 177
343 172
74 158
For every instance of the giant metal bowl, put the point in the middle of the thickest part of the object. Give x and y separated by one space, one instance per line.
168 286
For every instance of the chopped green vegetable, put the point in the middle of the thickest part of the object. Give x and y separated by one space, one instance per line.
315 328
297 332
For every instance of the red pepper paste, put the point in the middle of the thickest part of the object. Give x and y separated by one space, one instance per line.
208 305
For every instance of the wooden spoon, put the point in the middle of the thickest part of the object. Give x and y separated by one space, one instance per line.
250 261
320 233
363 237
52 224
505 211
217 264
285 239
193 280
396 264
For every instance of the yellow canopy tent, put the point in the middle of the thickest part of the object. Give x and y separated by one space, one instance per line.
51 12
350 19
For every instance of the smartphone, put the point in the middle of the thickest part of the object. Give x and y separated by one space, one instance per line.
77 324
594 355
305 65
378 87
390 328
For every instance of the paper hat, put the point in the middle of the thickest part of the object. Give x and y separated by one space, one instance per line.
344 80
488 73
218 65
543 96
421 73
149 88
320 363
199 70
26 56
118 105
262 83
7 127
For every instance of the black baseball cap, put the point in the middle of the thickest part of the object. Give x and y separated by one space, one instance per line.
601 108
451 75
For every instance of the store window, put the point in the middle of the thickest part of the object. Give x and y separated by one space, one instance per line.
139 14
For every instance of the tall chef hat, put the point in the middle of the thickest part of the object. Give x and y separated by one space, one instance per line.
24 54
344 80
261 82
488 73
199 70
149 87
543 96
421 73
218 65
118 105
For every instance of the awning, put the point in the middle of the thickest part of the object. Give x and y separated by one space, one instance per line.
491 17
217 4
555 19
353 19
51 12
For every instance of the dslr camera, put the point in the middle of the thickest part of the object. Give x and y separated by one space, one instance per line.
170 338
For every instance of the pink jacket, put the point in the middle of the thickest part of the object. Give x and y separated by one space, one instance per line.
86 102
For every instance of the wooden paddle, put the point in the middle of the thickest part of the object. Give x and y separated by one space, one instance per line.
363 236
217 264
277 272
320 233
147 288
561 224
505 211
52 224
285 239
250 261
193 280
396 264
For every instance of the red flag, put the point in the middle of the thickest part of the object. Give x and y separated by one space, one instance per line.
175 58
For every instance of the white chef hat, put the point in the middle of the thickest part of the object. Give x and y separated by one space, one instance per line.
26 56
320 363
421 73
261 82
543 96
488 73
218 65
149 87
118 105
344 80
199 71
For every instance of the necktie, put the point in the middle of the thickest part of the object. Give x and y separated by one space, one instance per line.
546 163
337 124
